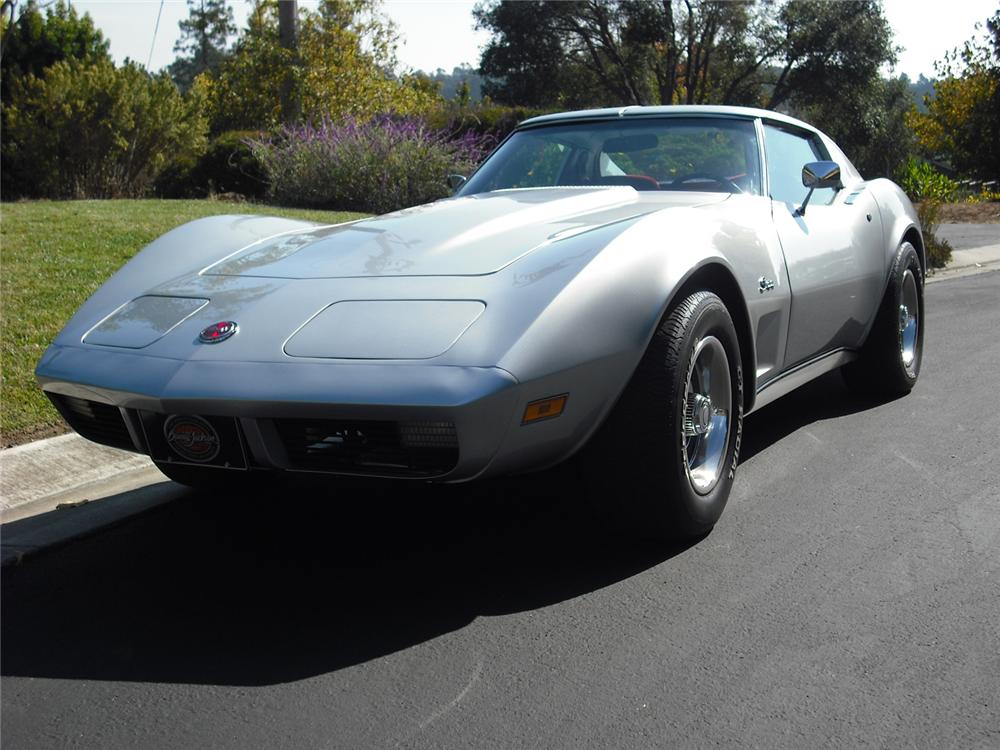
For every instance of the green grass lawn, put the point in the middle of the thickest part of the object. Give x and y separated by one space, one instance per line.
53 255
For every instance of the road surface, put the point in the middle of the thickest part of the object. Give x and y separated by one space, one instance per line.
850 596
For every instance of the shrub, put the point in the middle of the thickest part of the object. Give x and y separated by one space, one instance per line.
96 131
922 182
985 195
484 118
928 189
938 251
377 166
227 167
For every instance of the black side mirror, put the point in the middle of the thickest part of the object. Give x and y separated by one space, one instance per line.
455 181
819 174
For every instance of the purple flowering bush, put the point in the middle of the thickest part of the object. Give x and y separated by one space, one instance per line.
377 166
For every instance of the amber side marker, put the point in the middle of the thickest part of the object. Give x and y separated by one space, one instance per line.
546 408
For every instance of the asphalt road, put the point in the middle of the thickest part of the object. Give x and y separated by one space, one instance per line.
850 596
968 236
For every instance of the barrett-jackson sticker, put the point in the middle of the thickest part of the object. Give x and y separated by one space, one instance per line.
192 438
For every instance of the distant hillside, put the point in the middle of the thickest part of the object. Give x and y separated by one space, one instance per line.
451 81
920 88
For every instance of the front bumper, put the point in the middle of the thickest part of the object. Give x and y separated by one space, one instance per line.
282 408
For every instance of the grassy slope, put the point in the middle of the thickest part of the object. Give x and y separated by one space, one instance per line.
53 255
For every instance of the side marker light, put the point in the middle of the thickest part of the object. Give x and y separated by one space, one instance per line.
546 408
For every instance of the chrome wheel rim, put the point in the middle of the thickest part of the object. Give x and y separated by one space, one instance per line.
909 324
708 397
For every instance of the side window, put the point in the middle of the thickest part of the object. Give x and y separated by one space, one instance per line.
787 152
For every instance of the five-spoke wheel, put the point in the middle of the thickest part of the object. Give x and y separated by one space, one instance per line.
889 362
707 405
663 463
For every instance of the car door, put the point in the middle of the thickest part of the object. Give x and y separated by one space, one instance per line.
832 249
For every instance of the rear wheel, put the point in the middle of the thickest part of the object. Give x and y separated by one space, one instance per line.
663 464
889 363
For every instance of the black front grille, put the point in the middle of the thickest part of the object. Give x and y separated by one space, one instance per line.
102 423
370 447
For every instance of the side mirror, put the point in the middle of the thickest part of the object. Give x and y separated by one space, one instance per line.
455 181
819 174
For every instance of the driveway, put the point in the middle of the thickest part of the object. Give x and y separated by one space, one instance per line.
849 597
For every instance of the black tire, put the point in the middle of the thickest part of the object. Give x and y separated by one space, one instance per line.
889 361
217 480
637 466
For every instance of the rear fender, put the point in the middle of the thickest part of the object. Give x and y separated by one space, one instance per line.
900 222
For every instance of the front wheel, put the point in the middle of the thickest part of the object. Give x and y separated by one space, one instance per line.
663 464
889 362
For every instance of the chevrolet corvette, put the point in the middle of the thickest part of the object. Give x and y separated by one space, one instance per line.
617 286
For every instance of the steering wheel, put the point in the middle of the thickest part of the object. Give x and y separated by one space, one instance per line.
728 184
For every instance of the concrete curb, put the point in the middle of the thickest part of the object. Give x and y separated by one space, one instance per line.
28 536
64 463
65 487
957 272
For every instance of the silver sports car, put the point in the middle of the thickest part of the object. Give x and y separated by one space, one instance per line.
620 285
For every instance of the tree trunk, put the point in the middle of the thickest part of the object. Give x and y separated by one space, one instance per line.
288 11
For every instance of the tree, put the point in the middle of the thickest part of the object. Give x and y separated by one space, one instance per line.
962 123
870 125
463 94
343 68
32 42
526 62
681 51
205 34
826 50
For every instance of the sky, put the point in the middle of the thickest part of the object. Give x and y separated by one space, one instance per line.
441 34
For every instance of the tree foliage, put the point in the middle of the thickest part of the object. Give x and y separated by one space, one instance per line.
36 41
94 130
526 62
202 45
870 125
962 122
756 52
343 68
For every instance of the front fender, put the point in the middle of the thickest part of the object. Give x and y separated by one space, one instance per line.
592 334
181 251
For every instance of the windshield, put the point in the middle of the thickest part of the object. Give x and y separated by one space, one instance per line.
690 153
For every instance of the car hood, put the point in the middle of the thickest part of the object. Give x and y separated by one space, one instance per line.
467 236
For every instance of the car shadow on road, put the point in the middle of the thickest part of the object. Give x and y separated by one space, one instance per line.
827 397
263 590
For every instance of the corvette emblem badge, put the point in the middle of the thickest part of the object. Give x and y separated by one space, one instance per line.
191 438
218 332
